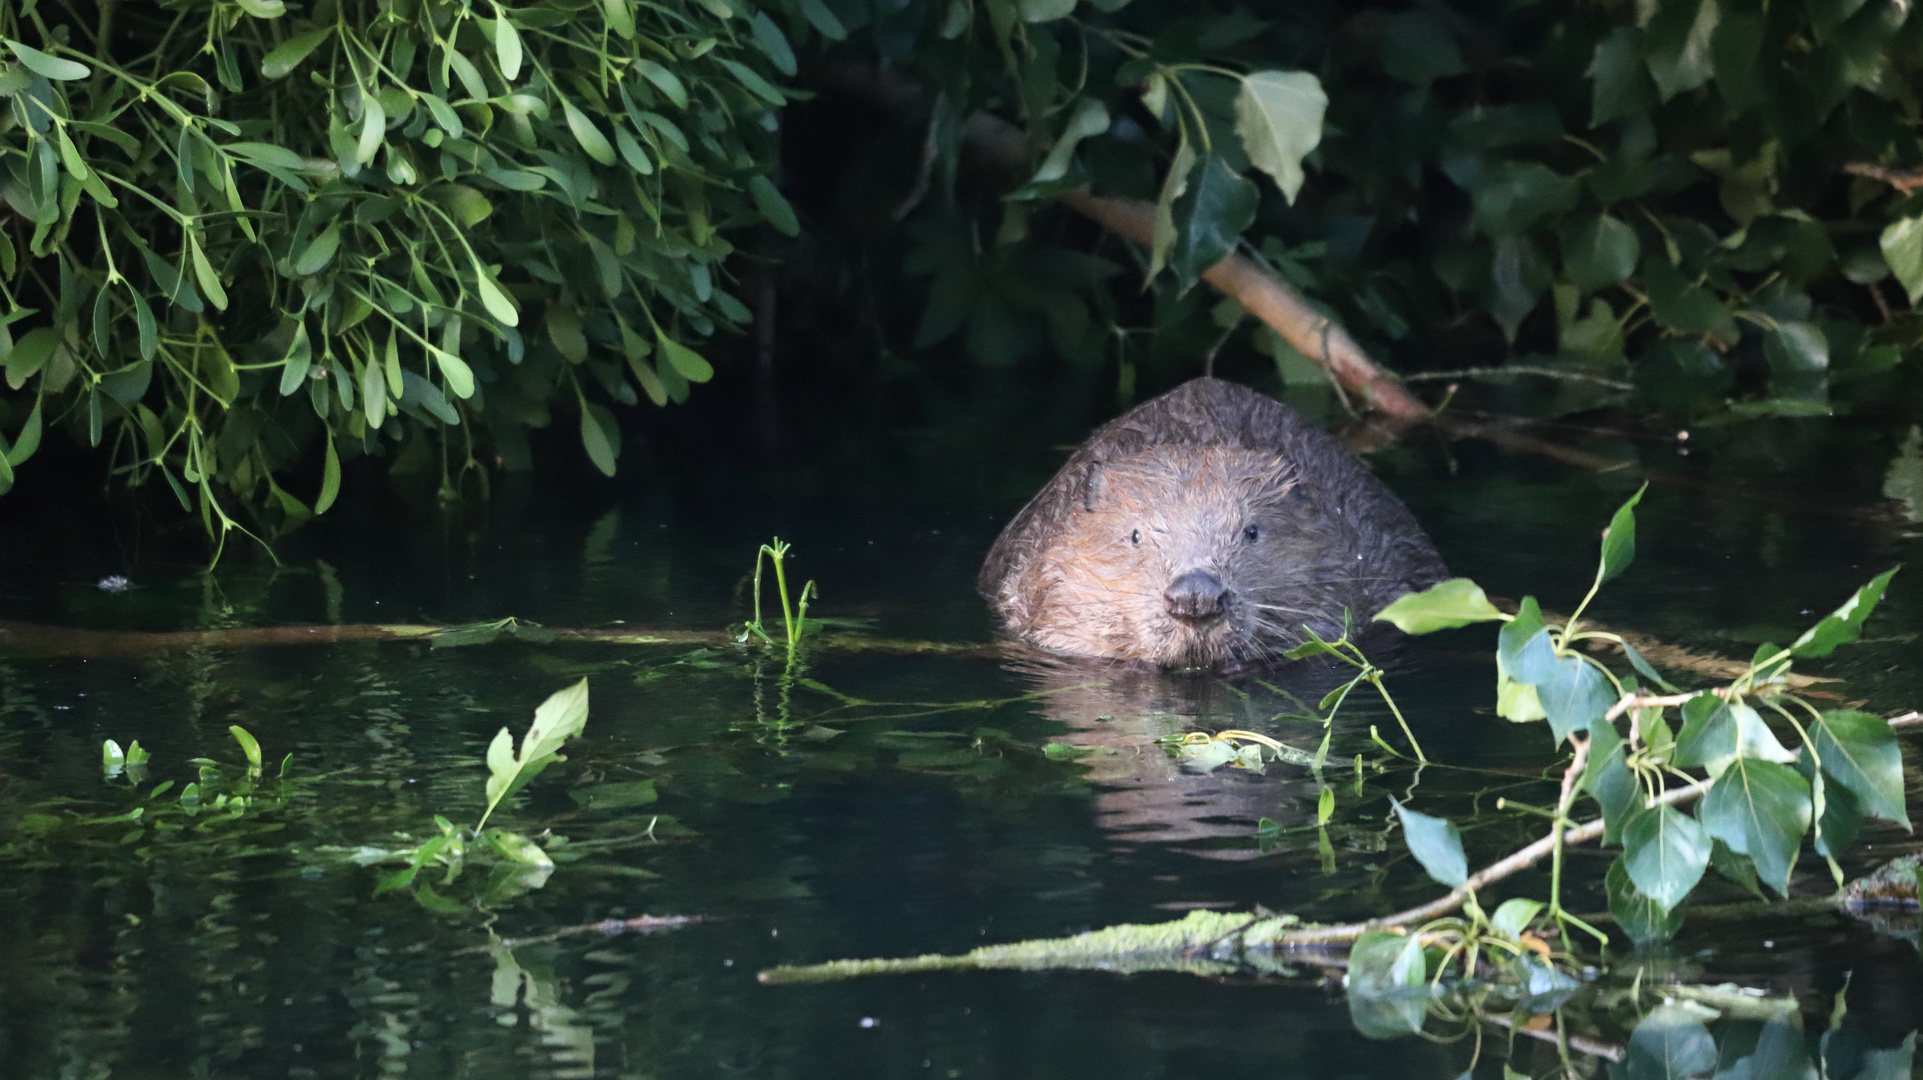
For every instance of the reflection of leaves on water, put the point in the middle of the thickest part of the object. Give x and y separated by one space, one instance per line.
1904 481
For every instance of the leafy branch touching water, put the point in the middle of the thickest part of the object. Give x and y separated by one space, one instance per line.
1759 802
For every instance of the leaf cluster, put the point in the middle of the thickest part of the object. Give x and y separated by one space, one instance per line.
234 236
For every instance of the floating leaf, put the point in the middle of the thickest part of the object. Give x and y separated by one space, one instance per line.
1452 603
1278 114
556 720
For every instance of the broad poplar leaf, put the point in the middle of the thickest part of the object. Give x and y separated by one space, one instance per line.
1452 603
1902 243
1210 217
1762 810
1173 185
1845 624
1619 539
1641 918
1278 114
1436 843
1860 752
1665 852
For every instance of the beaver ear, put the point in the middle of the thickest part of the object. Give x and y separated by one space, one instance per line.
1092 485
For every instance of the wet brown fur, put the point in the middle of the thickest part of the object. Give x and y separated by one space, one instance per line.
1173 486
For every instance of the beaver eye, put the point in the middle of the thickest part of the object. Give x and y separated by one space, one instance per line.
1135 537
1251 534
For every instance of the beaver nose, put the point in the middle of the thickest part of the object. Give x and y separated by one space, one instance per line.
1197 595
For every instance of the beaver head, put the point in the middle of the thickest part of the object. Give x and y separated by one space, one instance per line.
1188 557
1208 528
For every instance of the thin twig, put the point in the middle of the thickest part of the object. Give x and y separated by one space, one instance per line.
1510 371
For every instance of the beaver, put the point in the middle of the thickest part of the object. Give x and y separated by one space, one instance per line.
1204 529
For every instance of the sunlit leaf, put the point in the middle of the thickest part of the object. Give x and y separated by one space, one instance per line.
53 67
1452 603
1845 624
558 719
1278 115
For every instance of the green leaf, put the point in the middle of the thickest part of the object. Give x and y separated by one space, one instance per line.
147 329
468 206
1643 919
1513 195
1682 306
52 67
1089 120
1609 779
686 361
1760 809
1452 603
1796 348
112 758
620 15
1162 242
600 437
822 18
631 151
564 329
285 57
1839 627
507 46
1599 251
1734 52
249 745
318 254
516 848
1622 87
1619 539
330 477
300 355
30 354
1736 867
1860 752
28 440
1278 114
1575 695
1716 732
558 719
1666 852
494 299
773 206
1386 984
1210 217
1679 45
373 130
1523 649
460 377
754 83
1902 243
772 43
589 136
1436 844
1515 915
373 398
665 81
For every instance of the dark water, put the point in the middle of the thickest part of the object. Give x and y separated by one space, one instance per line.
801 826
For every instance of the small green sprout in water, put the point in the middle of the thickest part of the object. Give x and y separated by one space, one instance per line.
1347 652
794 618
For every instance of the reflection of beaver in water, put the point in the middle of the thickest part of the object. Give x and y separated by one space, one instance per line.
1202 530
